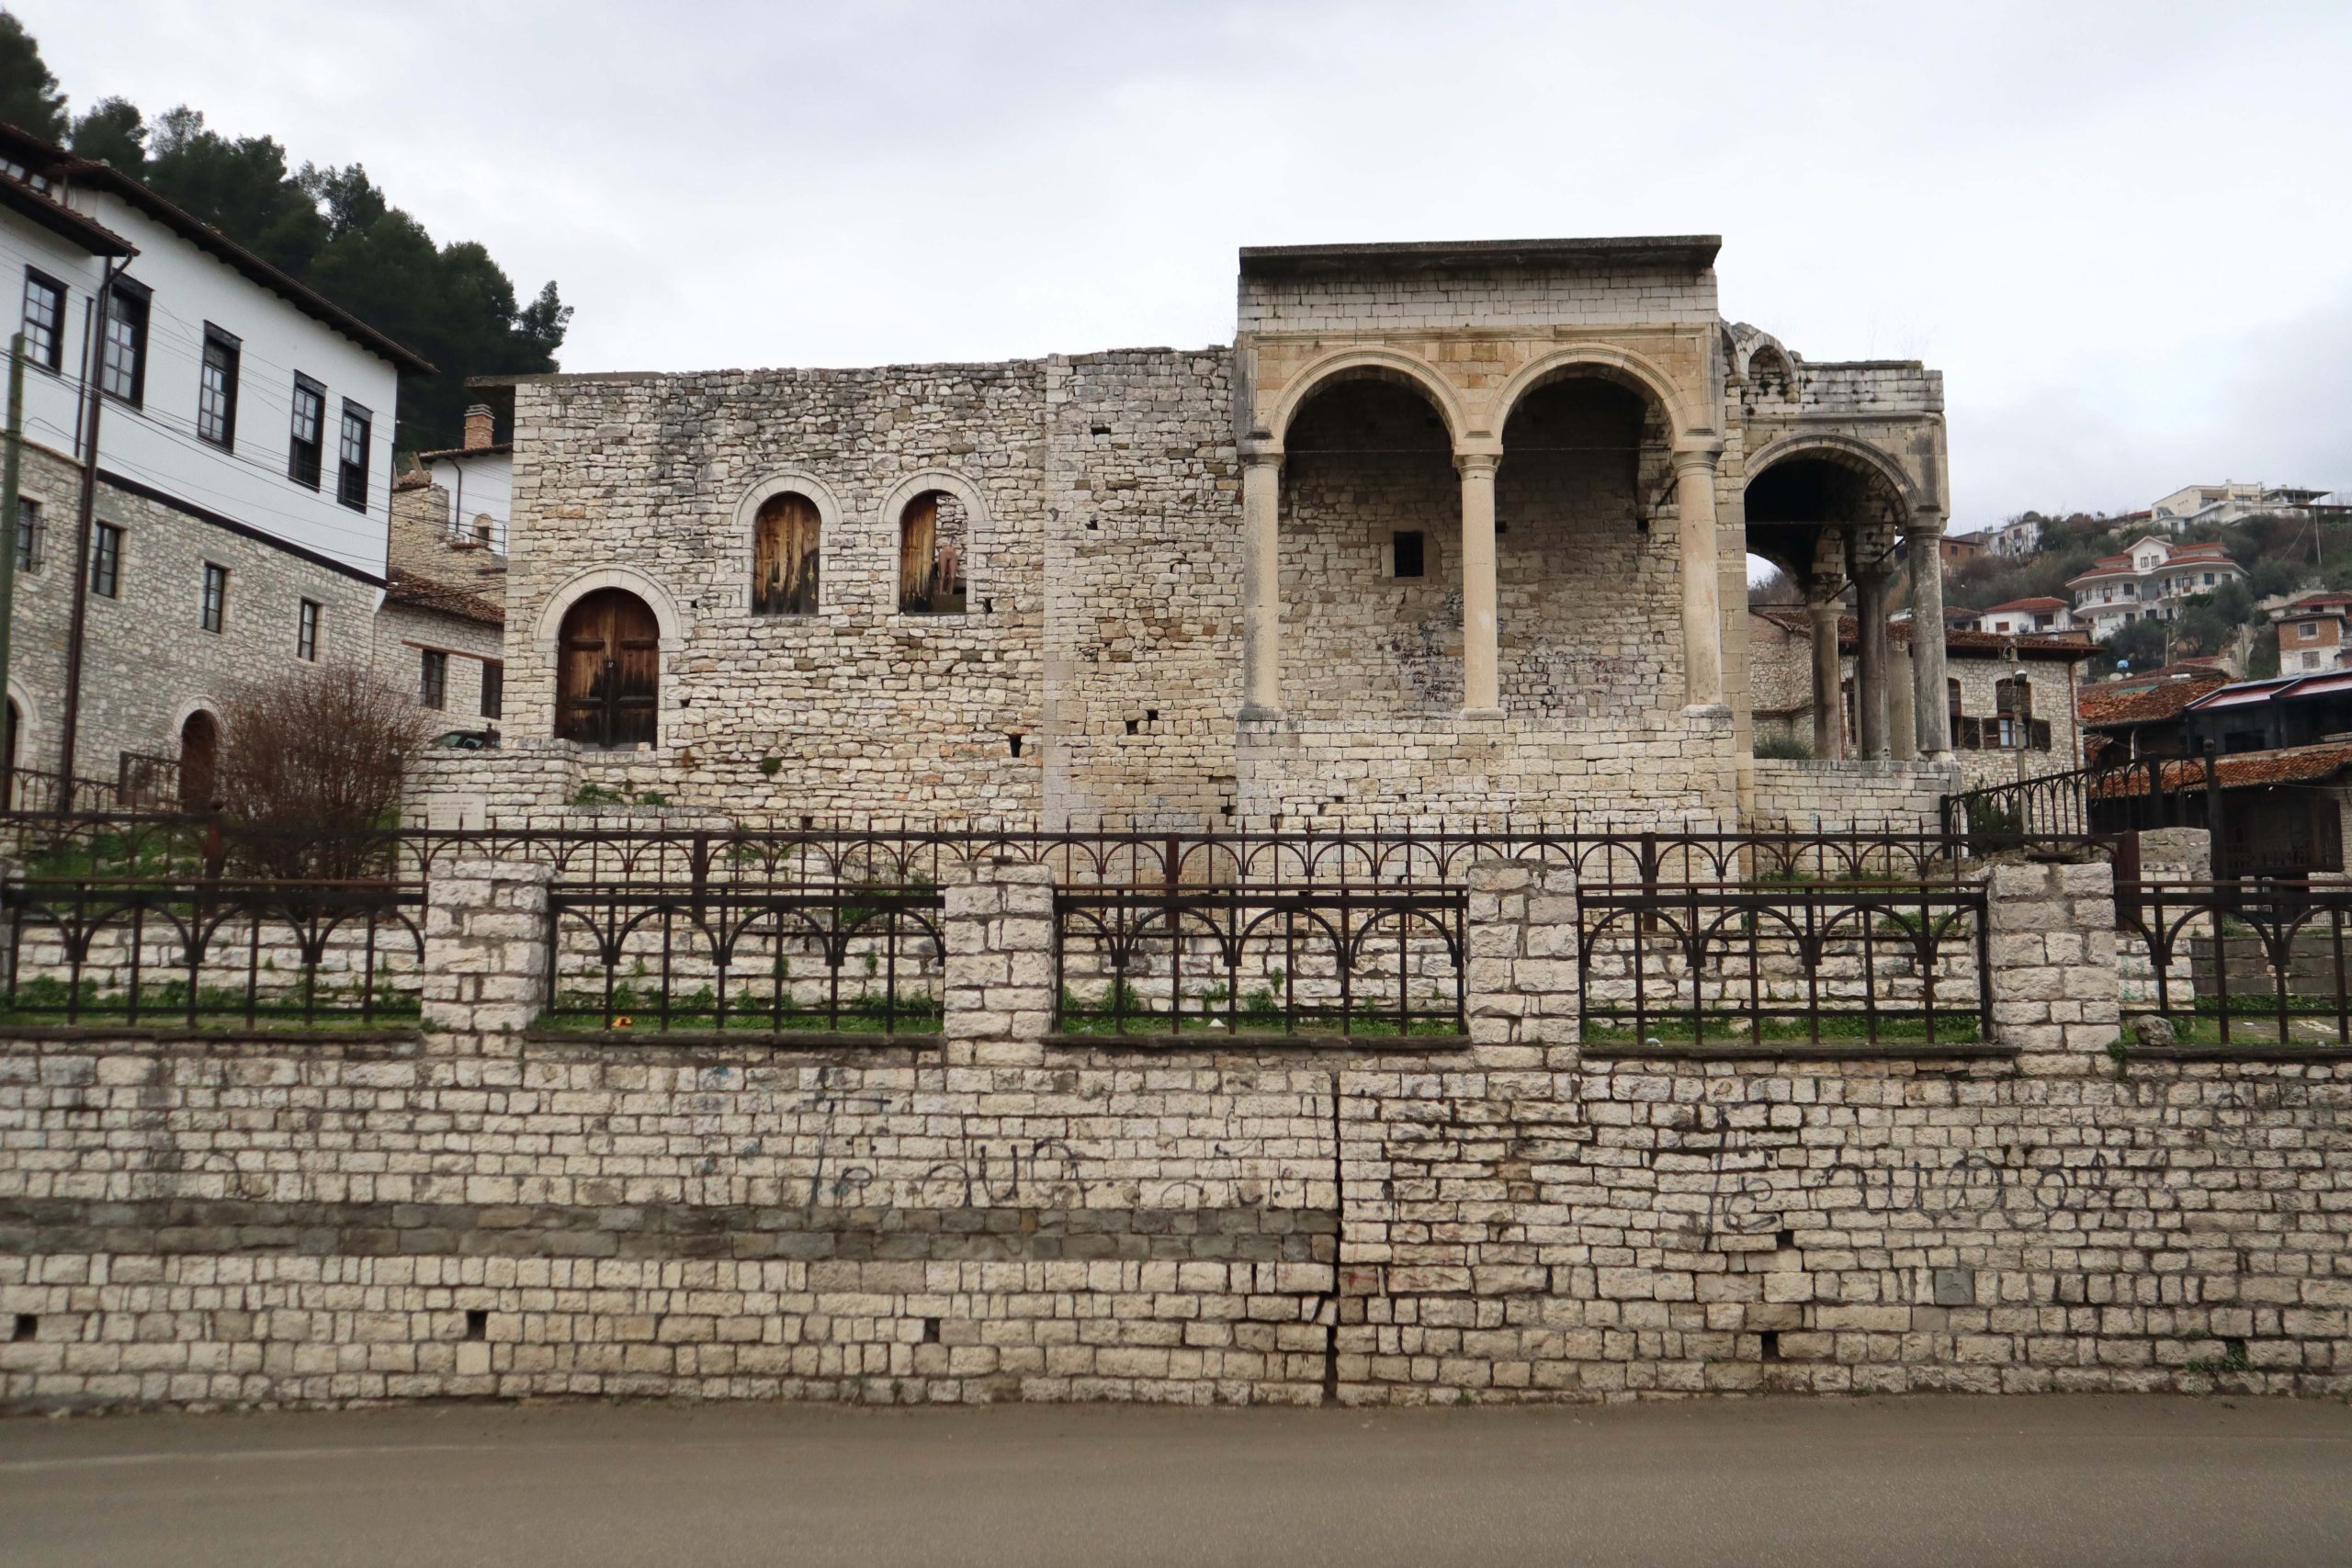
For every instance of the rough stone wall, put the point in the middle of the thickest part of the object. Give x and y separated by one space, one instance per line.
877 712
1142 566
2052 687
403 633
148 660
1801 794
997 1215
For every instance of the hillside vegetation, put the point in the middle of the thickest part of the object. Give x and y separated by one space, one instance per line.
2281 555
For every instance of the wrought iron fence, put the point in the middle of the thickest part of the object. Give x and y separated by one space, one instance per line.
1703 964
719 958
214 953
720 852
2100 801
1349 961
2254 961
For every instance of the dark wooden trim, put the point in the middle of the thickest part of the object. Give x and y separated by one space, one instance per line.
246 530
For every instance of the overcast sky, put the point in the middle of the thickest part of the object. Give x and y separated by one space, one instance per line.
2121 231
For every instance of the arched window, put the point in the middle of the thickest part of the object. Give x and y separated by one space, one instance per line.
931 547
199 757
785 556
609 669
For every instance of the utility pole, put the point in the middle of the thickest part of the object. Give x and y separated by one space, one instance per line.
94 406
9 525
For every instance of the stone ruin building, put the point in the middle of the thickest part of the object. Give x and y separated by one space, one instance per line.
1449 530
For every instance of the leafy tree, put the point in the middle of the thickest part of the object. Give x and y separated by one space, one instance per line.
115 132
29 97
240 188
2141 643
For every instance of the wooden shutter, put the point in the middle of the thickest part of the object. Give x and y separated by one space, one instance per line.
609 670
785 555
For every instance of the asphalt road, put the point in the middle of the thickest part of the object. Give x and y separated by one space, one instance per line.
1917 1481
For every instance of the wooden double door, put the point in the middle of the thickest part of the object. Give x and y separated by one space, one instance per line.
609 670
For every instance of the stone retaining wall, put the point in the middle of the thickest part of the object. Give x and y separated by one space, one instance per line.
995 1213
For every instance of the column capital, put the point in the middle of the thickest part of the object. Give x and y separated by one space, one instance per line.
1926 521
1258 453
1471 456
1693 452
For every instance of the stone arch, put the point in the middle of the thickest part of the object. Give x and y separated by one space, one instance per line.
581 584
743 558
1847 451
1373 364
1610 362
977 521
197 740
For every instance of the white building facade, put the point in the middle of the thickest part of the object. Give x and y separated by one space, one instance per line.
246 431
2147 580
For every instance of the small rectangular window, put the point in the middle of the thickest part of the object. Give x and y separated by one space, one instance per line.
44 319
493 688
29 529
216 390
216 596
307 450
106 561
122 365
432 680
306 631
1408 550
2307 629
351 469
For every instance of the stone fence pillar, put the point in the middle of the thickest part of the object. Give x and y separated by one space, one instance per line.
999 1003
1521 984
2056 989
485 946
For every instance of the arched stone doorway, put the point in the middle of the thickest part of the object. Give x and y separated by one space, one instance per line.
199 761
1371 554
608 664
1589 594
1834 520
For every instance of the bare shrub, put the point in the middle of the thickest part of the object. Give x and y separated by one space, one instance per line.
309 770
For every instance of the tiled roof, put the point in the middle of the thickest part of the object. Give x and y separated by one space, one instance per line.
2043 602
2137 704
425 593
2242 770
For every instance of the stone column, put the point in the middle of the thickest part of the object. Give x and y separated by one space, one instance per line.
1481 684
1900 724
2056 989
485 968
999 997
1703 614
1261 615
1828 705
1870 661
1930 713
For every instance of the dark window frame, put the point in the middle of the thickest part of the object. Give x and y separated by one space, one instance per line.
432 679
32 530
493 688
106 560
306 631
54 360
312 476
217 406
212 608
351 477
1408 547
130 303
